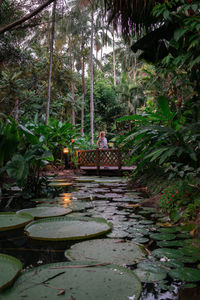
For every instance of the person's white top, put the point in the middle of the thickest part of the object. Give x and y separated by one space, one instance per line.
102 142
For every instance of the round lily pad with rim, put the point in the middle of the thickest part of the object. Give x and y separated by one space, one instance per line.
67 228
76 280
45 212
12 220
10 268
107 250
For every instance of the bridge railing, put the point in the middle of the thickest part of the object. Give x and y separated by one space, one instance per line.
100 157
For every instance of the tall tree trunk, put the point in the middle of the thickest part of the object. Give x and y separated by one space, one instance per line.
114 60
73 105
83 95
16 110
91 77
50 61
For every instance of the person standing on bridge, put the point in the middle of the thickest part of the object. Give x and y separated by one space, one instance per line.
102 141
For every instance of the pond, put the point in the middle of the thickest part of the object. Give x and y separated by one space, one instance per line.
164 257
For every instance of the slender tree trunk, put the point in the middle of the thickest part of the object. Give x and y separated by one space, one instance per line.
50 61
16 110
72 85
83 95
91 77
73 103
114 60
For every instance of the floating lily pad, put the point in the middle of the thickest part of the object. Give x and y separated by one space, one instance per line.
172 263
84 179
162 236
59 184
140 240
175 243
173 254
118 234
112 250
141 231
67 228
167 252
154 267
190 251
10 267
72 205
146 222
45 212
146 276
185 274
184 235
12 220
76 280
169 229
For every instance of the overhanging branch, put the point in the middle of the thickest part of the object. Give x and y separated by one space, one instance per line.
26 17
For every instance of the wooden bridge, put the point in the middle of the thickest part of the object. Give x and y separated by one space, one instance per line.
103 161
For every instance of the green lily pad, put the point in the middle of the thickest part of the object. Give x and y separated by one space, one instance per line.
172 263
10 268
173 254
175 243
162 236
190 251
167 252
185 274
146 276
184 235
60 184
45 212
198 266
118 234
135 230
140 240
72 205
112 250
169 229
67 228
146 222
153 267
75 280
12 220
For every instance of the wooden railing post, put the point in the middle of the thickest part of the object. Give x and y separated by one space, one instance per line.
98 160
119 161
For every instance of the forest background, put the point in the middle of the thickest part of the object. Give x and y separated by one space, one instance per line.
59 86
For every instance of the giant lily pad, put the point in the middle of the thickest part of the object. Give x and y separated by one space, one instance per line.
186 274
112 250
45 212
11 220
10 267
67 228
81 280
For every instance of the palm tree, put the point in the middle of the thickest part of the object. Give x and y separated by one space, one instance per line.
50 61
